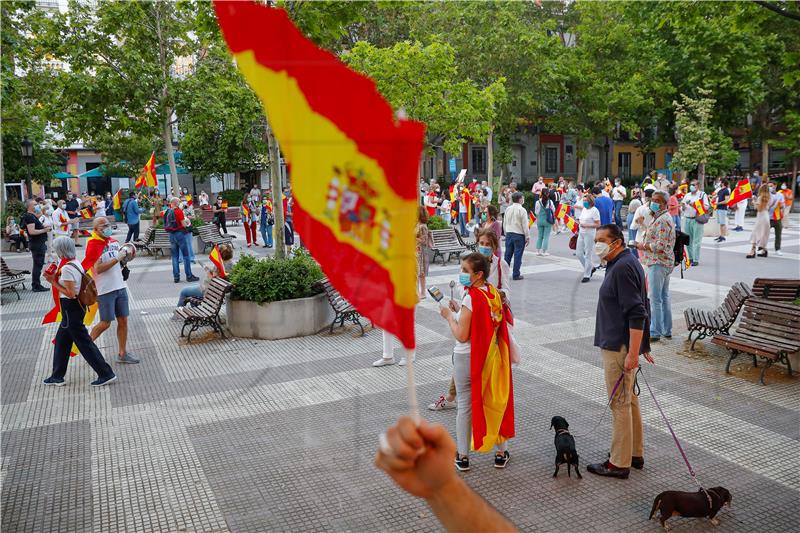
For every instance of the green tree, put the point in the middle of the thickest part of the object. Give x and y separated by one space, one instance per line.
701 144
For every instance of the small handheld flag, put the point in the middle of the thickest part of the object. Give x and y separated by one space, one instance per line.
118 200
571 223
742 191
87 212
531 219
561 211
216 258
778 213
245 209
700 207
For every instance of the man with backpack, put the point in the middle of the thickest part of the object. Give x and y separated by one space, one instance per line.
102 258
658 257
130 215
177 226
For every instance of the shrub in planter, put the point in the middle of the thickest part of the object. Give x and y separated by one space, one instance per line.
196 223
271 280
436 222
233 196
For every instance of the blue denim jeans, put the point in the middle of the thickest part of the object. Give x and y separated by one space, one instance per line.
194 291
515 245
462 223
179 246
266 234
660 304
618 213
677 220
191 249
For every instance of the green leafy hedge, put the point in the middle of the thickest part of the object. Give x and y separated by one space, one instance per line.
14 208
272 280
233 196
196 223
437 222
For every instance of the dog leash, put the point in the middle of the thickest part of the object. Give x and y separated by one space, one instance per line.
677 442
608 404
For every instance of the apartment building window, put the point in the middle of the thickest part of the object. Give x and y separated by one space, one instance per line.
649 162
551 160
478 160
624 164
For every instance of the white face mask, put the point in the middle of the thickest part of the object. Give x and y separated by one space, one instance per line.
602 249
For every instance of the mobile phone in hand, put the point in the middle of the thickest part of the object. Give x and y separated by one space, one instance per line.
435 293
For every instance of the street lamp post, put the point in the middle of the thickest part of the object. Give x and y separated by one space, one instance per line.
27 154
608 166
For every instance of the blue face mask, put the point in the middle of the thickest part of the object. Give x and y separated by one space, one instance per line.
108 232
485 250
586 205
655 207
692 188
463 279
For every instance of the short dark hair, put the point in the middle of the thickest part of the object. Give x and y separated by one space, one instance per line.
131 194
613 231
478 262
648 193
516 197
595 190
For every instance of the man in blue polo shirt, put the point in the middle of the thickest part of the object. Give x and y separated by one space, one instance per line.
604 204
622 332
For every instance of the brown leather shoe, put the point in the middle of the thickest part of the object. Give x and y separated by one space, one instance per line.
604 469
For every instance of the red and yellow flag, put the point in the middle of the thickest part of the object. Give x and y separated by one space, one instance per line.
189 200
778 213
571 223
147 178
245 210
490 370
700 206
562 210
466 199
216 258
338 133
531 219
118 200
742 191
87 212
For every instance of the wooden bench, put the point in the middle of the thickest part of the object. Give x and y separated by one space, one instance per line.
12 272
210 236
469 243
446 243
343 309
233 215
768 329
9 283
144 242
160 242
207 215
782 290
207 312
707 323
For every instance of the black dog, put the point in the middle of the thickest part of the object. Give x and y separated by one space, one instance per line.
565 447
690 504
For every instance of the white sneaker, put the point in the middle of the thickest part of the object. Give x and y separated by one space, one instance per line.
545 254
441 404
384 362
538 252
403 361
778 252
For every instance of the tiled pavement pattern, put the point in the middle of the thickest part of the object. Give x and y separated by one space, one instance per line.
251 435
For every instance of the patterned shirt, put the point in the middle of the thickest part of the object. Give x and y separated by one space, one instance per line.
659 242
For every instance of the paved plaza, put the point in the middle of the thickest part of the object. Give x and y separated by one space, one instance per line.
245 435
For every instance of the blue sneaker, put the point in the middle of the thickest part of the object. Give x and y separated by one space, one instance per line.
55 382
104 381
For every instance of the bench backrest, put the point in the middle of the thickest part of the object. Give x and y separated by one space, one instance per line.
207 215
5 269
208 233
736 297
148 234
160 238
445 238
782 290
777 323
233 213
214 295
336 300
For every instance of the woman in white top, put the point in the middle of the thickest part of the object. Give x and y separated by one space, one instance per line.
67 281
60 220
14 235
690 225
100 208
444 209
760 236
589 221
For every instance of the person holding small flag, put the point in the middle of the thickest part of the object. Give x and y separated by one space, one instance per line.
219 209
723 195
267 220
61 220
777 207
221 263
694 204
249 207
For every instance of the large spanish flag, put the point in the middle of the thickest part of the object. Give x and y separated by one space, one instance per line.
148 175
742 191
354 165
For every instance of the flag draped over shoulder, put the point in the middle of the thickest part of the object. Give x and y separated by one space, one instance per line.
490 371
354 167
742 191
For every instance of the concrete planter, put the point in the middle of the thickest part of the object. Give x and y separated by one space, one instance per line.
278 320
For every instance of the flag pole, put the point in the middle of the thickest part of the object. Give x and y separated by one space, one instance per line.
413 406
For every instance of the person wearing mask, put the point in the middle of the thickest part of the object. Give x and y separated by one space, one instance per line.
488 245
197 291
777 210
73 207
490 221
267 221
635 204
219 216
37 239
102 258
132 213
61 220
589 221
604 205
543 226
203 198
755 182
473 187
15 236
100 207
515 226
178 228
487 192
462 198
481 335
538 186
723 193
788 197
657 254
674 206
67 280
109 205
504 200
642 218
693 229
618 194
424 242
759 238
571 197
249 220
662 183
431 200
444 209
622 326
739 209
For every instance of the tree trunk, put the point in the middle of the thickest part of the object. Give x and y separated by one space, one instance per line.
764 160
579 174
701 176
173 169
277 191
490 164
